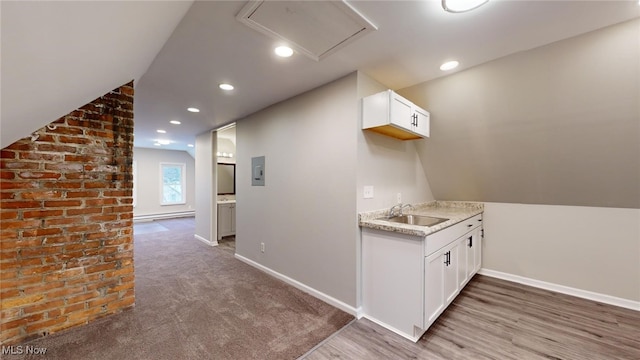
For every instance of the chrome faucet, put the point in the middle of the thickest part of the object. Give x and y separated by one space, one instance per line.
396 210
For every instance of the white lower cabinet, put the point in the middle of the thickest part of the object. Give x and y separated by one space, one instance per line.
408 281
226 219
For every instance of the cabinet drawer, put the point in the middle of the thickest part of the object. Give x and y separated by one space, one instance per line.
440 239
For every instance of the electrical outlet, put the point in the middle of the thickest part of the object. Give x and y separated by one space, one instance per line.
368 192
399 198
261 247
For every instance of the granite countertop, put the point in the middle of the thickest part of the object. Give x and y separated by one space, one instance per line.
455 211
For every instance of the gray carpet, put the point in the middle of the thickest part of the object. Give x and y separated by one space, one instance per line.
198 302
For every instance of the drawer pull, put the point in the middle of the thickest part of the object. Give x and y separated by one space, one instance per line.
470 225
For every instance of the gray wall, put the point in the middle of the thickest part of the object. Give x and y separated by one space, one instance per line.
555 125
148 181
391 166
559 124
206 209
306 212
595 249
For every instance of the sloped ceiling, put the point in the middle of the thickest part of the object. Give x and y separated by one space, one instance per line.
556 125
60 55
210 46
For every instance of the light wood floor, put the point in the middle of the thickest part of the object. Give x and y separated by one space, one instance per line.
497 319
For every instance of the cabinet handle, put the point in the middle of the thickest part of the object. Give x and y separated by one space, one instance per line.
470 241
470 225
447 258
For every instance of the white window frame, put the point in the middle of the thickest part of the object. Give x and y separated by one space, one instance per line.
183 183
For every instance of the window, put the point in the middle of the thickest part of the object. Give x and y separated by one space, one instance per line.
173 184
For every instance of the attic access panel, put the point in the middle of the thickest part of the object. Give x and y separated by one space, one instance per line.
313 28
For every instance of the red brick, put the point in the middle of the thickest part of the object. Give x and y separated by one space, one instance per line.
57 148
43 306
64 292
20 204
16 185
20 244
84 211
19 224
20 165
39 175
36 327
41 156
41 213
77 194
40 195
81 297
39 289
8 215
7 175
41 232
63 185
59 221
62 203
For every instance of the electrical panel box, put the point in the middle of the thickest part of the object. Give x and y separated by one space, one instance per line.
257 171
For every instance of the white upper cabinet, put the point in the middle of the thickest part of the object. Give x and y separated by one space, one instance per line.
390 114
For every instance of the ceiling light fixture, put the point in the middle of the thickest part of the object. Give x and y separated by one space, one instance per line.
193 110
283 51
459 6
190 145
160 131
226 87
156 144
449 65
163 142
175 122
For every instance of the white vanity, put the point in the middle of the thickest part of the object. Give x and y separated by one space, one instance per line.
226 218
411 273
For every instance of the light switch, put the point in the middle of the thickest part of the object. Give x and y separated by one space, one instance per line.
368 192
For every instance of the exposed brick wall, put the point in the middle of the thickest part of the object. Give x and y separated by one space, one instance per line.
66 235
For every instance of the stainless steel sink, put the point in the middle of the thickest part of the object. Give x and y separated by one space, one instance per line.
416 220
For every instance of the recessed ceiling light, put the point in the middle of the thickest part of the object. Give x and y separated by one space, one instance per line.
458 6
283 51
192 109
190 145
449 65
175 122
163 142
156 144
160 131
226 87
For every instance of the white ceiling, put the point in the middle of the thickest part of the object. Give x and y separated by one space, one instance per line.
59 55
50 49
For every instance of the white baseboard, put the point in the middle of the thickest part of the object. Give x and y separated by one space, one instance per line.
210 243
603 298
173 215
309 290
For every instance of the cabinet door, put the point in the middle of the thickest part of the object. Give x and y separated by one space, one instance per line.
224 220
451 272
465 257
477 245
472 245
400 111
433 287
233 219
421 122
